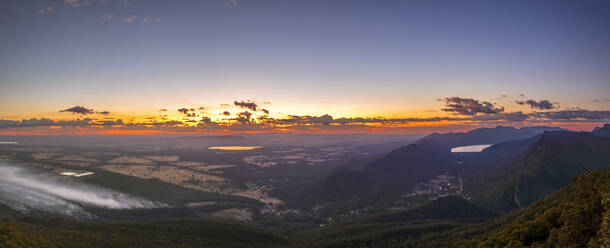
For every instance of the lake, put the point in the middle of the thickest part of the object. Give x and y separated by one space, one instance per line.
472 148
234 148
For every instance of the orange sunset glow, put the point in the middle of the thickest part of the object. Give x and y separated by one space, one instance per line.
304 123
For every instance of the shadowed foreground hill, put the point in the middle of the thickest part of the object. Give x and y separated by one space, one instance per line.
45 232
450 207
575 216
399 228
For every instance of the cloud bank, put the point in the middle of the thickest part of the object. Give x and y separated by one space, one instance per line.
462 111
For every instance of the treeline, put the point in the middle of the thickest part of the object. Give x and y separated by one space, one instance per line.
60 233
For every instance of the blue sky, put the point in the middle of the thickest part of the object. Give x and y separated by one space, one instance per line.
345 58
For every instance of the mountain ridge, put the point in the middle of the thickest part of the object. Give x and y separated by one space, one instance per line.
548 165
402 168
603 131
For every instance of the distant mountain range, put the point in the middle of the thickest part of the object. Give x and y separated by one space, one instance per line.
602 131
489 135
404 167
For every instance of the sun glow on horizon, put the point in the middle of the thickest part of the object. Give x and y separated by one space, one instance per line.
234 148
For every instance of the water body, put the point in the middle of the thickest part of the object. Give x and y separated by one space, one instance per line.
234 148
473 148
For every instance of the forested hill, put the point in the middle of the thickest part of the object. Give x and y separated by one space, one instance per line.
575 216
548 165
47 232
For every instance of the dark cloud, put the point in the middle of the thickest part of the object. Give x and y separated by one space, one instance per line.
206 120
45 122
104 113
580 114
29 123
542 104
226 113
79 110
469 106
324 119
245 114
162 124
243 117
512 117
246 105
504 96
187 112
162 110
601 100
112 122
307 119
265 111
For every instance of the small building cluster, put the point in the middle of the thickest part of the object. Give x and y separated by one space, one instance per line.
440 186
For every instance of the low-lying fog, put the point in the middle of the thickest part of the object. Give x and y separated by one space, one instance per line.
27 189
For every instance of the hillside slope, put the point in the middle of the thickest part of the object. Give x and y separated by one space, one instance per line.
398 228
445 208
575 216
548 165
51 232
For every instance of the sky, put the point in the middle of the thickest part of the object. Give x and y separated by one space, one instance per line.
222 66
